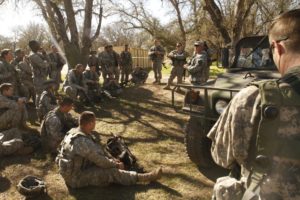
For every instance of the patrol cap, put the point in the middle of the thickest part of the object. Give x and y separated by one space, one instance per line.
49 82
4 52
198 43
18 50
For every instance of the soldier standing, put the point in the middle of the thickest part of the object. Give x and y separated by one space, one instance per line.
40 65
82 161
56 124
196 67
260 128
156 55
8 73
57 63
109 61
126 64
178 58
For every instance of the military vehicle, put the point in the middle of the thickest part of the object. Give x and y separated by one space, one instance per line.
204 103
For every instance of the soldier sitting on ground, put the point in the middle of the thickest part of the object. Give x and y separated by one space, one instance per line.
75 85
48 99
112 86
92 81
82 161
139 75
56 124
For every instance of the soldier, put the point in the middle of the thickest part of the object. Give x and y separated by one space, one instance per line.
178 58
156 55
94 61
109 61
139 75
260 128
25 74
8 73
75 84
57 63
40 65
48 99
196 67
56 124
126 64
92 82
82 161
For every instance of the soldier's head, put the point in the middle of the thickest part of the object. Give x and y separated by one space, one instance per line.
156 42
179 46
34 45
66 104
79 68
87 121
19 53
7 89
93 68
199 46
284 38
54 49
126 47
6 55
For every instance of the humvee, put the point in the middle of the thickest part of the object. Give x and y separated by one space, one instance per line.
204 103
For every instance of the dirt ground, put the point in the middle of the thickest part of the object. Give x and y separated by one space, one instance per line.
144 117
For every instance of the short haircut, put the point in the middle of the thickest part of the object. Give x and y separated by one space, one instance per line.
5 86
66 101
78 66
86 117
33 45
4 52
286 27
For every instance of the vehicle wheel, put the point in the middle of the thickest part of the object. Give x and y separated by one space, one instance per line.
198 149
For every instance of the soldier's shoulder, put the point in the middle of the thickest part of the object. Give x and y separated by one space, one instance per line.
245 96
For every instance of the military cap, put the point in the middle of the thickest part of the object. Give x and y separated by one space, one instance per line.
198 43
49 82
18 50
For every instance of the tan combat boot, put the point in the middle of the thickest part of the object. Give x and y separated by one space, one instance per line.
150 176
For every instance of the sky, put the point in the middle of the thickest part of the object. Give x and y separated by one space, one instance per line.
11 17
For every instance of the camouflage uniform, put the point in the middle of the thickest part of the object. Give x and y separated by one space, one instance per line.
47 103
11 113
40 65
54 127
25 76
82 162
92 81
57 63
232 141
197 67
157 60
178 60
75 85
10 141
109 62
94 61
126 65
8 74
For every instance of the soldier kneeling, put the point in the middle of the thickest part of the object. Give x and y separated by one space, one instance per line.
82 161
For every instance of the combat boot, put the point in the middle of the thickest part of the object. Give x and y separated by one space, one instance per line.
167 87
150 176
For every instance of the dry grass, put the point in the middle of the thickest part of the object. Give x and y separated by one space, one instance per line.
154 132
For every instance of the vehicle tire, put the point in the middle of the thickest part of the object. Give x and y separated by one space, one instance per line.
198 149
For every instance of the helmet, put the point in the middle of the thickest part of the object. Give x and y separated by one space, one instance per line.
31 186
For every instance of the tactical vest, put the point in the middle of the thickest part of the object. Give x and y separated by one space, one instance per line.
277 139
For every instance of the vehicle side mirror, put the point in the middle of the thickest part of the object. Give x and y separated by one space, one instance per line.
225 57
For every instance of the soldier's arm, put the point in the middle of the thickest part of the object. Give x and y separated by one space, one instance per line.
54 128
71 78
88 149
232 133
36 60
197 67
7 103
4 75
46 102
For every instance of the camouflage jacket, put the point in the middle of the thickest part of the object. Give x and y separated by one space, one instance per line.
93 61
108 59
125 59
196 68
47 102
8 73
156 53
6 103
231 141
25 73
75 80
57 61
178 58
40 65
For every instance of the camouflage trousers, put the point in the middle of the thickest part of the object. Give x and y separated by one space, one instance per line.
95 176
74 92
56 76
10 141
38 87
177 71
125 71
28 91
157 67
111 71
13 117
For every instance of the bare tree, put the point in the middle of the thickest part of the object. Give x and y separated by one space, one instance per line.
63 24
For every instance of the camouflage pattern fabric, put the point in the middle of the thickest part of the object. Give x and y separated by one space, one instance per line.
11 113
40 65
8 74
109 62
74 84
82 162
57 63
178 60
47 103
94 61
10 141
126 65
197 67
157 60
231 141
